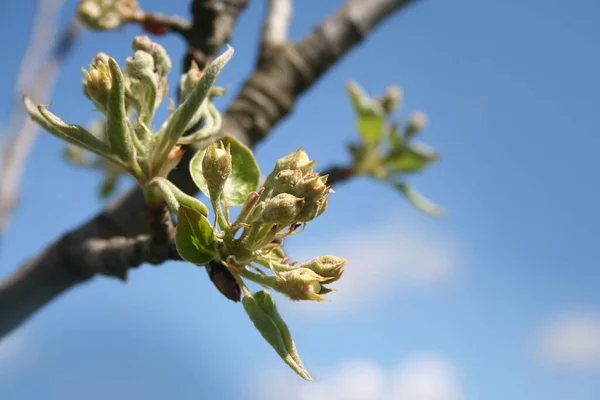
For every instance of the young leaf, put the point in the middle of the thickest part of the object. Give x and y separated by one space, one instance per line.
411 158
418 200
186 111
261 309
371 115
194 237
244 176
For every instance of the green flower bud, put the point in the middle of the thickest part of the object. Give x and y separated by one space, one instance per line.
97 83
391 99
216 167
416 123
310 211
189 80
298 160
99 15
329 267
312 186
161 59
286 181
301 284
282 209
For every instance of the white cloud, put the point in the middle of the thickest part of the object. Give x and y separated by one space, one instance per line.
428 377
572 340
382 260
424 377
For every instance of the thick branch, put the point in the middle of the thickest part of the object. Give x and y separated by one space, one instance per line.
269 94
275 28
213 22
264 100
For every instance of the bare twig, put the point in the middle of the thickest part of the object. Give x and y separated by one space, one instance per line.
37 75
265 99
158 23
275 28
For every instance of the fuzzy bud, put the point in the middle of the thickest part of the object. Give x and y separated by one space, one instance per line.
286 181
282 209
216 167
416 123
297 160
188 81
329 267
301 284
391 99
97 83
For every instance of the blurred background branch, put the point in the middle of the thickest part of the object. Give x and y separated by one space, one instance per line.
38 72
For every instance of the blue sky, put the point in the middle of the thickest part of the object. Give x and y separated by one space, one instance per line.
498 300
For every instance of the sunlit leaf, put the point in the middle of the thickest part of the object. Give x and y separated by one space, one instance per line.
411 158
194 237
244 176
261 309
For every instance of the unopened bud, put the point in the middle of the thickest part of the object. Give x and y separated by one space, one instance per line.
297 160
286 181
97 83
416 123
100 14
391 99
282 209
312 186
216 167
189 80
329 267
162 61
302 284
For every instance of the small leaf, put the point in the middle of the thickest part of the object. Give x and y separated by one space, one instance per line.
194 237
410 158
370 124
371 115
262 311
395 139
418 200
118 134
244 176
185 112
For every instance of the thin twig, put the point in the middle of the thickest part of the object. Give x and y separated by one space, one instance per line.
160 24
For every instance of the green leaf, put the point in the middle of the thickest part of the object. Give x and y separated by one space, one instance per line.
410 158
371 115
194 237
395 139
421 202
188 109
244 176
117 130
370 124
261 309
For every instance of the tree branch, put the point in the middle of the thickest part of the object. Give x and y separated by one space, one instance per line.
270 92
275 28
37 74
265 99
213 22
